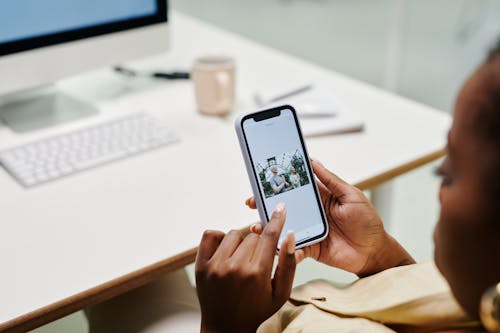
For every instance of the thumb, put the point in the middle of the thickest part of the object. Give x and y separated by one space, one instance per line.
283 277
300 255
311 251
332 182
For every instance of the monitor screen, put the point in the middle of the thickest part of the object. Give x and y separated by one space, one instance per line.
29 24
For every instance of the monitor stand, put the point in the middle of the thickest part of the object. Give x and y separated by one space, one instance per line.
41 108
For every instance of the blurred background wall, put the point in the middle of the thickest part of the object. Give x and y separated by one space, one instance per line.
422 49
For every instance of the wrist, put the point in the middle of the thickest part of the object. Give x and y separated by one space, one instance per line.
389 254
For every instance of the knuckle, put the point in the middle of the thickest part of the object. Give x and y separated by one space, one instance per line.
232 268
207 234
206 273
328 182
223 271
213 273
253 273
253 236
235 233
271 232
201 271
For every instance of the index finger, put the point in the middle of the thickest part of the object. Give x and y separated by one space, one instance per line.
337 186
266 248
324 193
208 245
250 202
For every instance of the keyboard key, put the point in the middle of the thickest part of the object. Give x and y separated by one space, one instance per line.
52 158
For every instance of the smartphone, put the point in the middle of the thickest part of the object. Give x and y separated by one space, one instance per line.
279 169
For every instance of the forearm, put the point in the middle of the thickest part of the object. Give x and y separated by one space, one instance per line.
391 254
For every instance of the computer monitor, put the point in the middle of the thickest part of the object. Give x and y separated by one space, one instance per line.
42 41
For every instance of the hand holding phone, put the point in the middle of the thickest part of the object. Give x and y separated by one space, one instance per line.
357 241
273 148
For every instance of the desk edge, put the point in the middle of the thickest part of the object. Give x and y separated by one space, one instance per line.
97 294
373 182
147 274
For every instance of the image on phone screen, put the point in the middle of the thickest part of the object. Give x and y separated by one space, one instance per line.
279 163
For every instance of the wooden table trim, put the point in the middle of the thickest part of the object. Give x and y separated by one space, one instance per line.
384 177
97 294
147 274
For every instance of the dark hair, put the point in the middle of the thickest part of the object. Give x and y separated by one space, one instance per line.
488 117
494 52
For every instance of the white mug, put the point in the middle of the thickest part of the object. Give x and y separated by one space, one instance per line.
214 84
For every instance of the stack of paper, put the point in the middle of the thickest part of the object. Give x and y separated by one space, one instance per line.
319 111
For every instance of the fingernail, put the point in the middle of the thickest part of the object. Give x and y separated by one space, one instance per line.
279 209
315 160
247 202
252 227
290 242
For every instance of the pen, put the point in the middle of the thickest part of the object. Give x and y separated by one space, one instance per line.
159 75
291 93
260 102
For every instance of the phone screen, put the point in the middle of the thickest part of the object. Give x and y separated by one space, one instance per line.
284 174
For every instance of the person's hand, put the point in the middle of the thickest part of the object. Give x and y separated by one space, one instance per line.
234 276
357 241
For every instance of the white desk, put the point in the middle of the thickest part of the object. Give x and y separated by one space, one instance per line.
77 241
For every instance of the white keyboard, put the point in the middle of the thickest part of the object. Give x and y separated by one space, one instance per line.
58 156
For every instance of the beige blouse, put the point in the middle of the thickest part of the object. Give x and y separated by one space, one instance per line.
414 298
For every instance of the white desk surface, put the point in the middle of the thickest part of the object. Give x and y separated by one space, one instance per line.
70 243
